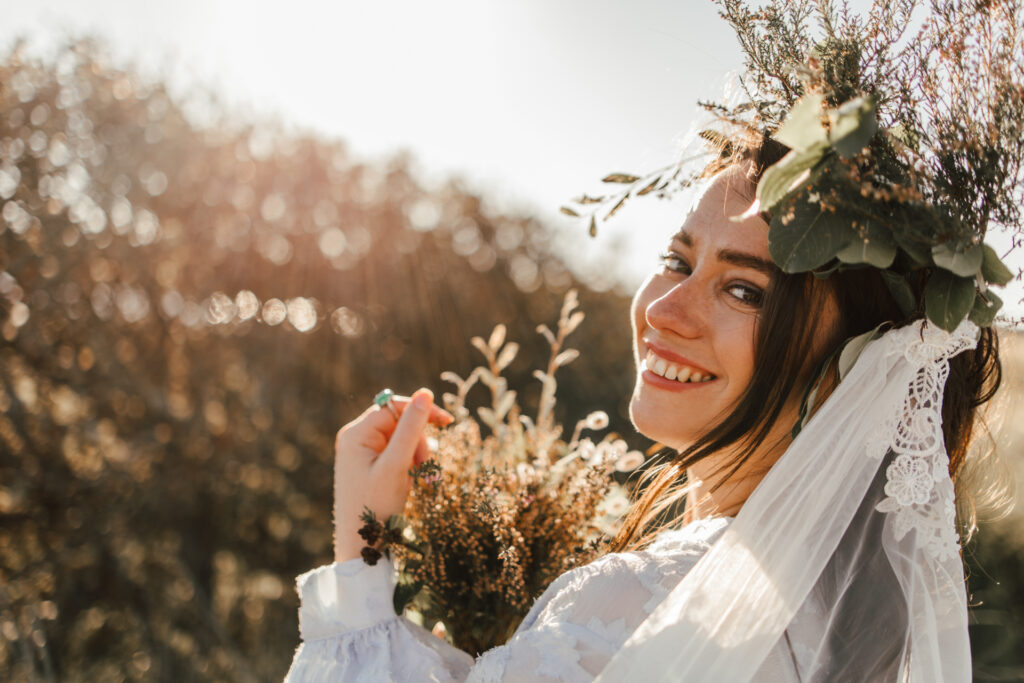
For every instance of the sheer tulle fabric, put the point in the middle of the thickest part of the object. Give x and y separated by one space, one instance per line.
855 523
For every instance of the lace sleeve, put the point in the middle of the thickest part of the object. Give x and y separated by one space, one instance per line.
350 631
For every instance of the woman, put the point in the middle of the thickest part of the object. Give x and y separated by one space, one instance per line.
796 585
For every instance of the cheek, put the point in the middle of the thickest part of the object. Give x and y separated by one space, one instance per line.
735 339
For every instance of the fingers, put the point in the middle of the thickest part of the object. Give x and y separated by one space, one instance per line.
375 427
405 441
438 415
384 421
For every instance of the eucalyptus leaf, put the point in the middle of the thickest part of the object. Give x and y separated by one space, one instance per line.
779 179
948 298
810 238
918 253
853 126
874 246
992 267
901 291
802 129
826 273
965 263
985 308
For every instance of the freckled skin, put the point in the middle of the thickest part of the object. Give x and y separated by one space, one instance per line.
703 304
699 315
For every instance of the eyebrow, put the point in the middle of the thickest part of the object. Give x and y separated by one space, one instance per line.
736 258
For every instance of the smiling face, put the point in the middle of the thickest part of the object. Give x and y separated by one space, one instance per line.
695 318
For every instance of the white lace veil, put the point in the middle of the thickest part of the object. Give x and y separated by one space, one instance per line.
856 520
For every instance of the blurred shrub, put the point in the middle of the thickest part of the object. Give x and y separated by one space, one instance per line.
188 315
995 556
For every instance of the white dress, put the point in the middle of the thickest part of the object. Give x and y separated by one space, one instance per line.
351 633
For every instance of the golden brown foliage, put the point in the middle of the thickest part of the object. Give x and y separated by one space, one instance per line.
188 315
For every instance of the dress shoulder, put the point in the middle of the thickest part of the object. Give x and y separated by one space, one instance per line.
586 615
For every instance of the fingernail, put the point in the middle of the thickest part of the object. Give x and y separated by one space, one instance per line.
422 400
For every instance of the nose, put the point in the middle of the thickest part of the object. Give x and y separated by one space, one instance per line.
681 310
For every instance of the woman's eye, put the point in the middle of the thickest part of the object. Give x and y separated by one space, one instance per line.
675 263
748 294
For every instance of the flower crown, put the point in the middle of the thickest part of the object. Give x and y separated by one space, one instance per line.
902 151
831 209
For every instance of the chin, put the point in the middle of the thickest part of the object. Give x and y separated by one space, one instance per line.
657 426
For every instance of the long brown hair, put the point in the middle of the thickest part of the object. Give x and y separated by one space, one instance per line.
784 353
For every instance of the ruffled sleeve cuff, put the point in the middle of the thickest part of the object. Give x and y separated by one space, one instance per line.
342 597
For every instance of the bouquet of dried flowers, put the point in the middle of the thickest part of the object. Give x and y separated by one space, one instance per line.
506 505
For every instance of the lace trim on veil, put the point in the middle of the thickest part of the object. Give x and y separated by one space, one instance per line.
918 489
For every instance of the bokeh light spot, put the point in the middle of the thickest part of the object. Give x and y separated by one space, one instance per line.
273 208
424 215
220 309
302 314
332 242
247 304
466 239
274 311
347 322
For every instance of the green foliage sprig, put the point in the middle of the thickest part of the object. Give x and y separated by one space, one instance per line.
828 212
907 127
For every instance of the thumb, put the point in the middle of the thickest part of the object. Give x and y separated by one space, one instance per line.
406 437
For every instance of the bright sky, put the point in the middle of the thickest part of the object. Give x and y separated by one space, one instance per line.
531 102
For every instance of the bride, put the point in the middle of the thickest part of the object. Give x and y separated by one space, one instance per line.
823 552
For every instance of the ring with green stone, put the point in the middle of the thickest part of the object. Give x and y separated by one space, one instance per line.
383 400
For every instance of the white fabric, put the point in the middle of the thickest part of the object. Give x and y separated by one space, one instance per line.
350 632
880 554
842 565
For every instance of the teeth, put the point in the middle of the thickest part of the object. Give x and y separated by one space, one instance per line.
663 368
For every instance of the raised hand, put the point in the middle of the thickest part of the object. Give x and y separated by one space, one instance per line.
372 458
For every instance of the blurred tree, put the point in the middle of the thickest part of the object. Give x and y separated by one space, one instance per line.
189 313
